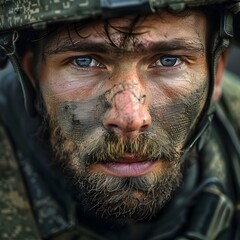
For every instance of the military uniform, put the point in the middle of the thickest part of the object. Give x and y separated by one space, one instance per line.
36 202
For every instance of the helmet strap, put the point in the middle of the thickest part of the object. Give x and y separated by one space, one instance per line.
8 48
220 43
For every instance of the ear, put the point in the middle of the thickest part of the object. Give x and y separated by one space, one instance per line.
219 76
28 66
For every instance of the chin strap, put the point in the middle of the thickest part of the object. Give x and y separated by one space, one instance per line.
221 42
210 196
8 49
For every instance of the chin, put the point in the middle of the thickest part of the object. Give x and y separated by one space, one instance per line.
122 200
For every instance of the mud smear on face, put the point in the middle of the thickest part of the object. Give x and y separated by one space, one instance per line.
113 198
80 125
180 117
80 140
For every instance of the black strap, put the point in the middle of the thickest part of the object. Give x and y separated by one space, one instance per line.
7 48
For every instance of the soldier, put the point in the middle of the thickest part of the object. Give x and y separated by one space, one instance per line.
130 132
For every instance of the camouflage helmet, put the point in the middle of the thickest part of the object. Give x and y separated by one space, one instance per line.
22 13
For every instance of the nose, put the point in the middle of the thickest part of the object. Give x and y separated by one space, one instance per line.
128 113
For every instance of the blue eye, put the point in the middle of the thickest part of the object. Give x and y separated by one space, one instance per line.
84 62
167 61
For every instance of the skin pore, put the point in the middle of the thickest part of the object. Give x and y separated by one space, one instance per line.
120 116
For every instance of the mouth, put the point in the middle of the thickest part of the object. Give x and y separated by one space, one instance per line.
127 166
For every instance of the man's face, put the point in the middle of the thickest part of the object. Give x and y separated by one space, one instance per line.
121 107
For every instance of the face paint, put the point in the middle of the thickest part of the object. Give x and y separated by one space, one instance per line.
78 119
114 198
179 116
81 122
80 142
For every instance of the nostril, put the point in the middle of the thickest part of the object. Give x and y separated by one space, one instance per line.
112 126
132 122
144 127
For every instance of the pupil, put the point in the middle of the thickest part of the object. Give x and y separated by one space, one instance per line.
83 62
168 61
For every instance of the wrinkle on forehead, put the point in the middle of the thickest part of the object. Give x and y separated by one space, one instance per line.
117 33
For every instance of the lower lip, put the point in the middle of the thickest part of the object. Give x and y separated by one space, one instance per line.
128 169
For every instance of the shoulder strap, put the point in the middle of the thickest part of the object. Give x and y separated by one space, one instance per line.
17 221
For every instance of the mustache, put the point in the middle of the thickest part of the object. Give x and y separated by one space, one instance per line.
146 146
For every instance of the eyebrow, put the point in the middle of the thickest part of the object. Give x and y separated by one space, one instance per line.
93 47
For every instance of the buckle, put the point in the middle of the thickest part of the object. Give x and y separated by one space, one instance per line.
212 214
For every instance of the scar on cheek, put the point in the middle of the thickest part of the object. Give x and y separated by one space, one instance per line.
133 88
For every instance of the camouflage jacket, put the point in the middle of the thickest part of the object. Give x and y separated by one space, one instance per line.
35 201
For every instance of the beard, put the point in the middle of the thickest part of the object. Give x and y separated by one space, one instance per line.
123 200
117 199
79 141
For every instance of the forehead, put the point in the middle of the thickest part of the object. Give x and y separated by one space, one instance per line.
132 32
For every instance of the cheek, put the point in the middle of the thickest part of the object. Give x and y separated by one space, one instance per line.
79 119
177 109
67 83
66 94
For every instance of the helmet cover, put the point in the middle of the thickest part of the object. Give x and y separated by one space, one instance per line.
23 13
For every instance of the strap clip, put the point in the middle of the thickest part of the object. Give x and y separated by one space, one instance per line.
218 211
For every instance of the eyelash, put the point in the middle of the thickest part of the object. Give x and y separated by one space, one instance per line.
90 62
159 62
